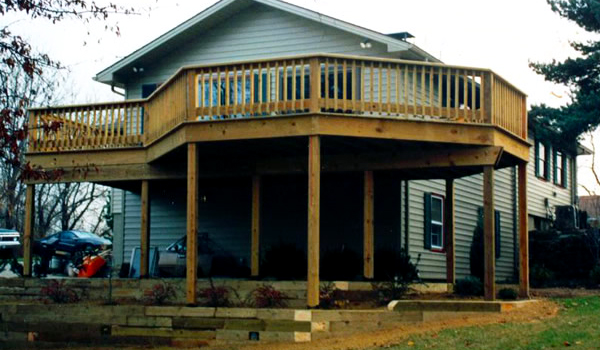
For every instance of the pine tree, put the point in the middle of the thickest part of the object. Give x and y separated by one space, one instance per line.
581 75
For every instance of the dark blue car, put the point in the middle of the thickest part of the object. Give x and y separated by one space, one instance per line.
69 244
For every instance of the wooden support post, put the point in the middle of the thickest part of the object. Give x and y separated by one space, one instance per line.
450 236
314 198
315 85
369 227
28 230
145 231
192 223
255 254
489 271
523 233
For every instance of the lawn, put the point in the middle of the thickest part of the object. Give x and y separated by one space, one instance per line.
577 325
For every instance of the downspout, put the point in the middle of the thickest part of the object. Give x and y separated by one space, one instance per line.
112 88
515 225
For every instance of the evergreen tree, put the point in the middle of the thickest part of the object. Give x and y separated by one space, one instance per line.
581 75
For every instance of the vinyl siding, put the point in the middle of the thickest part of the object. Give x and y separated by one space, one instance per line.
538 189
469 197
256 33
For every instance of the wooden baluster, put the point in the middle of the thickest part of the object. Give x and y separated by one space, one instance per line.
372 88
335 85
397 88
405 92
252 97
278 97
211 101
326 92
431 110
423 96
294 72
473 96
243 92
440 97
414 89
268 82
260 89
456 94
380 88
344 86
363 88
354 96
227 92
303 85
388 75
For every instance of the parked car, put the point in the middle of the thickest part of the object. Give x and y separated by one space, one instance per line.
213 260
70 244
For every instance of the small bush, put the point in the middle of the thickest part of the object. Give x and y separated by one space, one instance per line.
507 294
215 296
59 293
541 276
267 296
469 286
397 277
595 276
159 294
330 297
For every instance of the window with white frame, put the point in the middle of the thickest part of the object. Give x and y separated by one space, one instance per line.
434 221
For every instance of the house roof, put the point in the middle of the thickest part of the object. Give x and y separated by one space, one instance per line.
224 8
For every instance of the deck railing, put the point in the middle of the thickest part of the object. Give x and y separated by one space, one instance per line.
361 86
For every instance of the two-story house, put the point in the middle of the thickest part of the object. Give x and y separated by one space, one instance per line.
260 123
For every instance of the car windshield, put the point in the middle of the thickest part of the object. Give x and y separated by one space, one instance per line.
84 234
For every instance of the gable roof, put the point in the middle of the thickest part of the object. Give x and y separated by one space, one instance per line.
225 8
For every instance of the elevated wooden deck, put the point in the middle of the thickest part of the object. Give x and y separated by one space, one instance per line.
328 95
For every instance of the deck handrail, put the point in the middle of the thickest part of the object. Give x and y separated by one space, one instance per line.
312 83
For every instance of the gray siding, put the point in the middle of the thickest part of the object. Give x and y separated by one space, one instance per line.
258 32
469 197
538 190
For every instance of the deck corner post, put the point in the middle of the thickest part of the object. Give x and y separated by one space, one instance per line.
488 97
28 230
314 198
523 232
368 226
315 84
489 279
145 230
192 224
255 249
450 240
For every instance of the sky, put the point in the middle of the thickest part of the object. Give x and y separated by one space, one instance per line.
503 35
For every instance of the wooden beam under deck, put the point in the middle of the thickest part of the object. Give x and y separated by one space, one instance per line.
255 248
448 157
314 205
192 225
489 256
523 232
290 126
28 230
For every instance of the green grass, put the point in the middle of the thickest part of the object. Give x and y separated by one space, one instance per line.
577 326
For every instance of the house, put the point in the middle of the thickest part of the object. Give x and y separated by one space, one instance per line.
259 123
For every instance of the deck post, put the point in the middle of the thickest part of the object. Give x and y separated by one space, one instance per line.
28 230
145 231
523 232
192 223
489 256
314 195
315 85
255 254
368 226
450 235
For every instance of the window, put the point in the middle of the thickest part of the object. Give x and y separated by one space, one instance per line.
434 222
560 168
542 165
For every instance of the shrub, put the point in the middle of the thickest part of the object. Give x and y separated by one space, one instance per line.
396 264
266 296
595 276
469 286
476 252
59 293
159 294
215 296
330 297
507 294
398 277
284 262
540 276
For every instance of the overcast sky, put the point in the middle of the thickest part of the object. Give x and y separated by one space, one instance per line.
504 35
